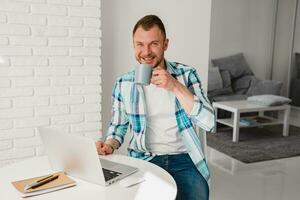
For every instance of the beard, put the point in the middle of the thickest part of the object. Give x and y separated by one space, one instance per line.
156 62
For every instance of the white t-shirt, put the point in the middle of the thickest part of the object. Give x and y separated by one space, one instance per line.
162 134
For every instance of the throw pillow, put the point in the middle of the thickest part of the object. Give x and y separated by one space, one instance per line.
214 79
269 100
242 84
226 78
260 87
226 82
298 64
235 64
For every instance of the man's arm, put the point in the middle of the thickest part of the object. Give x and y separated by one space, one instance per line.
202 114
162 78
184 96
118 126
192 99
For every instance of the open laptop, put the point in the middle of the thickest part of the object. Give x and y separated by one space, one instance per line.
78 157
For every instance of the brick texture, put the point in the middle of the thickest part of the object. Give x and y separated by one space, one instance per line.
50 72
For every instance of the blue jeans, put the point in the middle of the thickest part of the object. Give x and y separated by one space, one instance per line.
190 183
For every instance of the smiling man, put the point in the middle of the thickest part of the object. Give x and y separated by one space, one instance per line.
162 116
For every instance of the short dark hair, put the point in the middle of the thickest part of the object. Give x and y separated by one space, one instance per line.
148 21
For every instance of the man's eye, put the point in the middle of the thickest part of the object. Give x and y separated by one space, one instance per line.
139 45
155 44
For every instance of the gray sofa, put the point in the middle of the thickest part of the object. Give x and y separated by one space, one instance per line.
232 79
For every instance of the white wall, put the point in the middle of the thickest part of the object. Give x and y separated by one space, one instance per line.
49 72
243 26
187 25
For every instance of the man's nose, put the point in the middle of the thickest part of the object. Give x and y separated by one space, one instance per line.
147 50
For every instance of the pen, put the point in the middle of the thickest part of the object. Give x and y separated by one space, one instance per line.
40 182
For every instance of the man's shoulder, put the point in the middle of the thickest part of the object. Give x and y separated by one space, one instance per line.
127 77
181 68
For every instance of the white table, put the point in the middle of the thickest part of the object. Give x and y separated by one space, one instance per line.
158 183
244 106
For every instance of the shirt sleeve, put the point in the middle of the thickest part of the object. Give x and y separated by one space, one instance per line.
119 121
202 113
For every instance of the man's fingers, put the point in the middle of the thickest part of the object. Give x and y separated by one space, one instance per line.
103 149
107 149
158 72
159 80
99 146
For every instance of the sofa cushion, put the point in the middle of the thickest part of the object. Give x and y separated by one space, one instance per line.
226 78
242 84
233 97
226 82
264 87
214 79
235 64
269 100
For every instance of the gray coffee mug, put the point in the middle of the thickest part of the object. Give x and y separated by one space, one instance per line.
143 73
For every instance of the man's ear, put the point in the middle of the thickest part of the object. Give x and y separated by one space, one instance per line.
166 44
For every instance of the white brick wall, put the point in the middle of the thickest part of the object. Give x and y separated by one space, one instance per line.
50 60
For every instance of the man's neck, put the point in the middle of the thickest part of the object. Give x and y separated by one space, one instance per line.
162 65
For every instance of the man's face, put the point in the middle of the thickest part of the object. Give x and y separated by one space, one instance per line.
149 46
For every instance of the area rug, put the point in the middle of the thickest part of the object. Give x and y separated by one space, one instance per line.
257 144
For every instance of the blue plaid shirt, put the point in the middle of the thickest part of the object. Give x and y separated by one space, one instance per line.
129 110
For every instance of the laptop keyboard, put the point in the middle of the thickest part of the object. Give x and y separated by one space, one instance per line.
110 174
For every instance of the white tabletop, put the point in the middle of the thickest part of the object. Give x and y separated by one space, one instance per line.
158 183
247 106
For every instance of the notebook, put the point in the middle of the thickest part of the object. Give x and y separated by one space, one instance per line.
61 182
78 157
